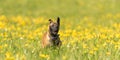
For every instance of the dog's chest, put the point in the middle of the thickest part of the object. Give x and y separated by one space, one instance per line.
53 40
47 39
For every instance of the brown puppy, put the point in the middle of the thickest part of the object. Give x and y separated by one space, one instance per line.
51 37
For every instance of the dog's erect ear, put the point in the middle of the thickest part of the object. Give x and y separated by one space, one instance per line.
50 21
58 21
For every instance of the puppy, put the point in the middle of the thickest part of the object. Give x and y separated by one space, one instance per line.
51 37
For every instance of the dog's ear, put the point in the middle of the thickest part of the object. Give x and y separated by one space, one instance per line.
58 21
50 21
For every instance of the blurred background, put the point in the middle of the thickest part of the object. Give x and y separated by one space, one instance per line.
89 28
62 8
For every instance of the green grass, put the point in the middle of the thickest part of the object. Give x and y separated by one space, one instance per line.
89 29
53 8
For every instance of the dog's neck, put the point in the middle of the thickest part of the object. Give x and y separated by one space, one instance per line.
53 37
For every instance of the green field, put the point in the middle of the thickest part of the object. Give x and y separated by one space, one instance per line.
90 29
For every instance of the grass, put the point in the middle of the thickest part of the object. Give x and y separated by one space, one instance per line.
89 29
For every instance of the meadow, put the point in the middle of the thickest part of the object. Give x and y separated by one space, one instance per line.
89 30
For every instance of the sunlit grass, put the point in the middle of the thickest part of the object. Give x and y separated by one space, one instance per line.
20 38
89 30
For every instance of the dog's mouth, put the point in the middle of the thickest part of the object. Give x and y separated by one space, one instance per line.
55 32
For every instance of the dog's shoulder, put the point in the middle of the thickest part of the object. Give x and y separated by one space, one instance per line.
45 39
46 36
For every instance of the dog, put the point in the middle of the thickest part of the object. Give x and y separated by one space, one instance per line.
51 37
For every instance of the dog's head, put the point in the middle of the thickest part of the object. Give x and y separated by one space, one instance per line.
54 26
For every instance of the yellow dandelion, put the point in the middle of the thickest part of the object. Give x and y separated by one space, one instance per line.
64 57
109 15
23 57
118 15
0 47
86 18
2 25
104 45
84 45
26 45
91 52
108 53
5 45
116 46
95 49
44 56
9 56
3 17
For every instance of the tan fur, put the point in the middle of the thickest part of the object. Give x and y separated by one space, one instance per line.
48 39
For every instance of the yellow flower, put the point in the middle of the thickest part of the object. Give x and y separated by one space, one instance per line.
116 46
26 45
91 52
104 45
95 49
2 25
86 18
9 56
103 36
84 45
3 17
109 15
44 56
0 47
23 57
118 15
5 45
64 57
108 53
